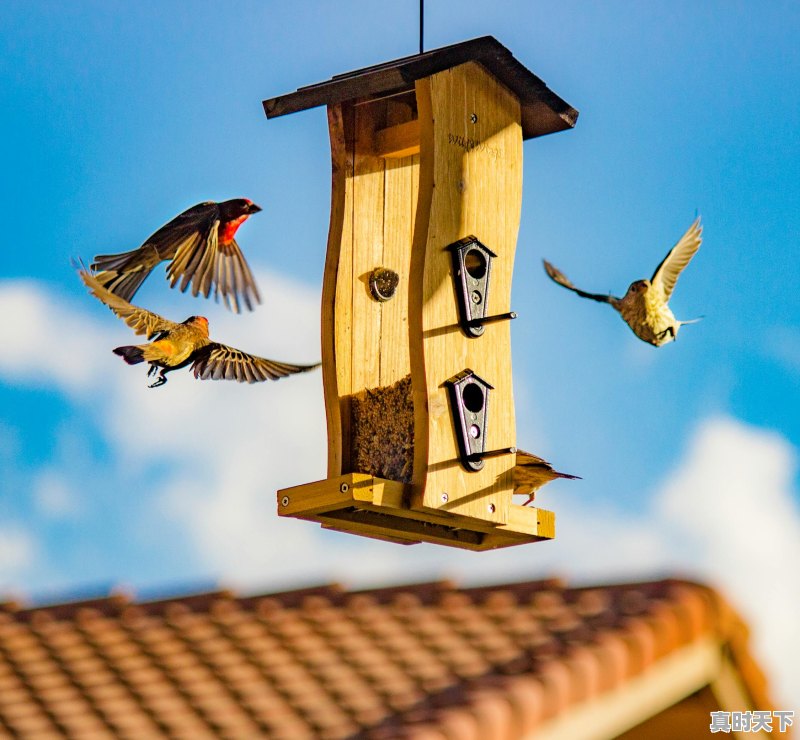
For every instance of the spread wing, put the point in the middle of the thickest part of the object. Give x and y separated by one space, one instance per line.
559 277
220 362
140 320
667 273
124 273
204 263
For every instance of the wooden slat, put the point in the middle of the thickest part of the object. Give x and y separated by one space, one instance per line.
367 253
337 286
397 234
397 141
530 520
471 172
373 533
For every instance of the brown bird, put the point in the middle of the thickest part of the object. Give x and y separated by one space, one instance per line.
200 242
531 472
645 306
178 345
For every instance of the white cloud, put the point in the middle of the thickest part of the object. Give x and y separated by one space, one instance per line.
44 341
782 343
725 514
17 554
737 525
52 495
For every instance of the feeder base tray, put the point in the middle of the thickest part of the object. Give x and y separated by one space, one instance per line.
373 507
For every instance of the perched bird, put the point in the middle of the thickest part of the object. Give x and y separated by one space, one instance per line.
530 473
200 242
177 345
645 306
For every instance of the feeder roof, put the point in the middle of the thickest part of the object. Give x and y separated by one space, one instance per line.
543 112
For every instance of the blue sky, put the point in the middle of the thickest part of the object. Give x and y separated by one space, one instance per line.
118 116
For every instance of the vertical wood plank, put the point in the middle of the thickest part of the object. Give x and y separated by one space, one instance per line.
335 334
367 253
471 159
397 234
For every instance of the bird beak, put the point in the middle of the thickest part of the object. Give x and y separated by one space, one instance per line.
253 208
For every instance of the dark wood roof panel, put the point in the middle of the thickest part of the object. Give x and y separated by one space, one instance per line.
543 112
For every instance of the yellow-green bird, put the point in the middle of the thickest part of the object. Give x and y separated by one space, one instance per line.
176 345
645 306
531 472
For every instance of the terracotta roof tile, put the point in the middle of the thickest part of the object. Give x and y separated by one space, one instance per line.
427 661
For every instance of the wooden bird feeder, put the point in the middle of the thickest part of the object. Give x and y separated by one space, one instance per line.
425 208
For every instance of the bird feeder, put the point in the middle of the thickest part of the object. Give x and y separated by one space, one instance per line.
425 208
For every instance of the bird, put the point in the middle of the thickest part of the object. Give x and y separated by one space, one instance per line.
176 345
203 251
645 306
531 472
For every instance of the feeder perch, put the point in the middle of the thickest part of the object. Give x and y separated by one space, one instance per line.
425 207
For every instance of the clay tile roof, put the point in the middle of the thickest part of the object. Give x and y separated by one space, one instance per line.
423 661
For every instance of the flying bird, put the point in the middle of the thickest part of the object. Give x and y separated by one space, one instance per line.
531 472
645 306
176 345
200 242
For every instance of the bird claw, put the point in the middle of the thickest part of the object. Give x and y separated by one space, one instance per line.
669 330
160 377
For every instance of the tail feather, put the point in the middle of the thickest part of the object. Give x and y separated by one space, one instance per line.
132 354
123 284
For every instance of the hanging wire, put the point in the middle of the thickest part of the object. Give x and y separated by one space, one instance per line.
421 23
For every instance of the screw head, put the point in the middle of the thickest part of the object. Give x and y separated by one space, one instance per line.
344 488
285 501
445 498
491 508
474 118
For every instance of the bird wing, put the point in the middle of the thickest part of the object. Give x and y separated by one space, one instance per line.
205 263
559 277
667 273
186 228
140 320
219 362
528 458
531 469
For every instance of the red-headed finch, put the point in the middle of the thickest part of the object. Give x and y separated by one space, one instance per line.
200 242
645 306
177 345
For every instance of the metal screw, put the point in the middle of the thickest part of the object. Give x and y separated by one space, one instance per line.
491 508
474 118
285 501
445 498
344 488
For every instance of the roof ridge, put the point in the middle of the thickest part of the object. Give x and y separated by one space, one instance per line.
111 605
427 591
295 597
